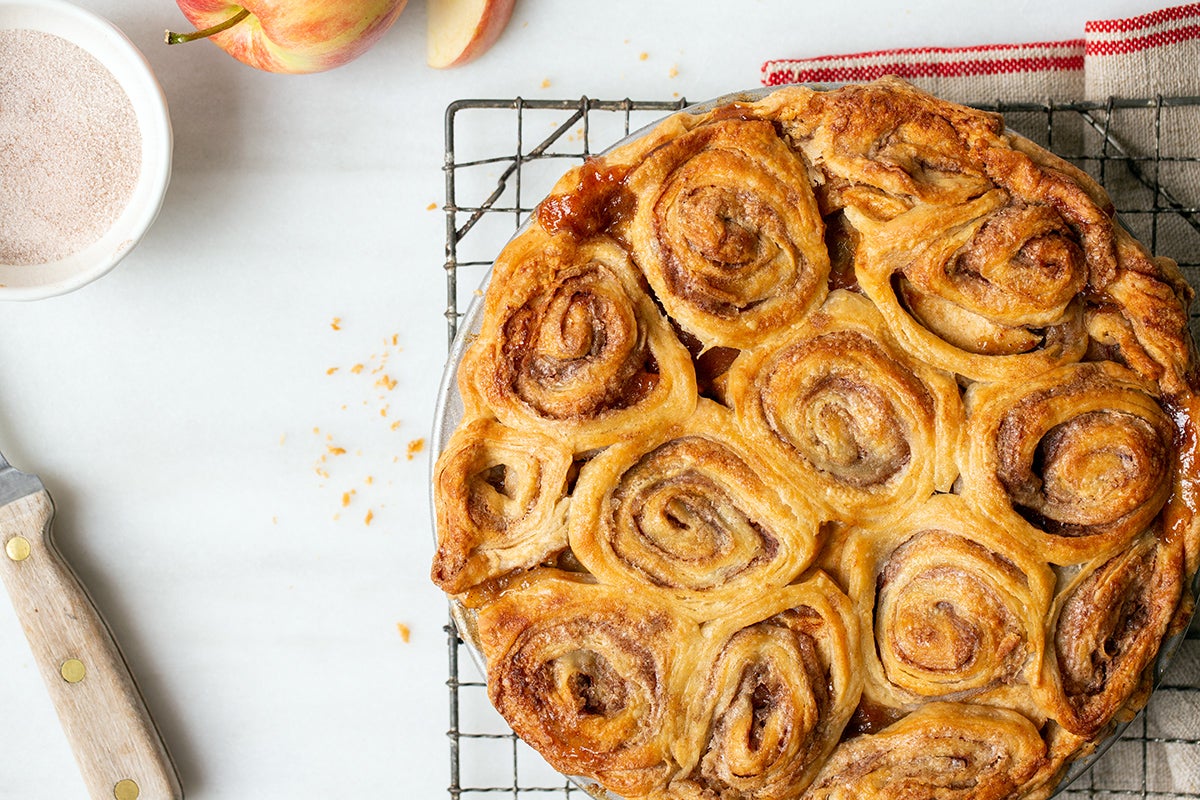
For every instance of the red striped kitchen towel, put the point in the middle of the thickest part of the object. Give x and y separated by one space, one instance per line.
1156 53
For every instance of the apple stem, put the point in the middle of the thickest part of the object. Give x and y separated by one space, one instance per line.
180 38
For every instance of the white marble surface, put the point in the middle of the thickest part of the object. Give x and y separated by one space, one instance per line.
171 406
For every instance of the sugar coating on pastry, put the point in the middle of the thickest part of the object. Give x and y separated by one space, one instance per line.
840 444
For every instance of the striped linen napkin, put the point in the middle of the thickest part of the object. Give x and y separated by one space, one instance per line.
1156 53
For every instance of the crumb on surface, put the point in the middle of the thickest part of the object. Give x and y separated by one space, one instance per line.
370 516
386 382
414 447
545 83
334 450
336 324
673 71
431 207
396 425
331 370
644 55
404 631
357 368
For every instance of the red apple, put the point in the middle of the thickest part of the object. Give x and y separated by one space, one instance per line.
460 30
290 35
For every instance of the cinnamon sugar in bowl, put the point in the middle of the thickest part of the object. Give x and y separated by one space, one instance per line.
85 147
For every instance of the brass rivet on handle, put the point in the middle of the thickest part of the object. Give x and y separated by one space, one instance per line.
73 670
126 790
17 548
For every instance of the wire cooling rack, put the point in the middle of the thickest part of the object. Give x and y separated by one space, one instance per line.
503 156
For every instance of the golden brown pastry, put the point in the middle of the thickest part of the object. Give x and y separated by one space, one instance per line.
586 673
690 514
839 444
575 347
862 428
727 231
773 687
501 497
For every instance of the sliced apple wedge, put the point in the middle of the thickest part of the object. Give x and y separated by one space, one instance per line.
460 30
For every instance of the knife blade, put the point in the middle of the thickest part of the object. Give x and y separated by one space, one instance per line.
120 753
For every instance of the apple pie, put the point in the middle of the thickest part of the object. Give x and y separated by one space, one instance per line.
838 444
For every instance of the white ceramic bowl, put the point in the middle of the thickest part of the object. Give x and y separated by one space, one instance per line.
110 47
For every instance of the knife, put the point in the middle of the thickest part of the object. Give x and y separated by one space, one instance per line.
120 753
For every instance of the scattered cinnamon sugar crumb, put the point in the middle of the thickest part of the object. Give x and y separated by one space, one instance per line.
395 339
336 324
386 382
414 447
369 480
346 496
545 83
370 516
643 56
479 292
405 633
431 207
336 451
331 370
383 411
357 368
673 71
396 425
316 429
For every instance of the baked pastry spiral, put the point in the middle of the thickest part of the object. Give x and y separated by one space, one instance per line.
837 444
863 428
688 513
501 497
575 347
1108 622
773 688
942 750
585 673
1080 456
956 604
727 231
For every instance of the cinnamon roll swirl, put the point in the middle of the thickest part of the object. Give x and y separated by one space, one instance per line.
771 693
586 673
689 515
574 347
1081 457
942 750
988 289
867 430
957 606
501 501
1107 623
727 231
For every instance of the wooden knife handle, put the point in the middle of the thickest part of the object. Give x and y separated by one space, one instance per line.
120 753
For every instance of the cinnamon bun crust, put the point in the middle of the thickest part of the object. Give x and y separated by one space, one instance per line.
837 444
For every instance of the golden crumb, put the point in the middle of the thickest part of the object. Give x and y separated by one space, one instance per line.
431 207
322 473
395 339
316 429
336 451
357 368
383 411
331 370
336 324
673 71
404 631
479 292
396 425
545 83
369 480
643 56
370 516
346 499
414 447
386 382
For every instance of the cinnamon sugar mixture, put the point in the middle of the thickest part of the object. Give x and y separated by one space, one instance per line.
70 148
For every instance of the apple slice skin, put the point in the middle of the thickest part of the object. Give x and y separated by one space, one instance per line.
489 22
296 36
